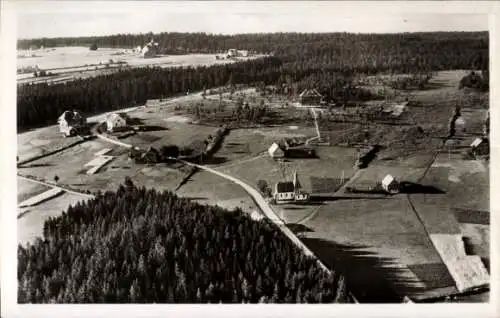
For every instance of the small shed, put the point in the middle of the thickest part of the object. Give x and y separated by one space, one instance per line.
480 146
275 151
116 122
390 185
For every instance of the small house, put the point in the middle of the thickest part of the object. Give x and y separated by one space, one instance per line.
284 192
480 146
116 122
390 185
310 97
71 122
275 151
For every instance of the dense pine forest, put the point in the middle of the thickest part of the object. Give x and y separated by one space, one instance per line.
436 50
144 246
325 61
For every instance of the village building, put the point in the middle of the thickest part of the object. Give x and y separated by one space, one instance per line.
390 185
116 122
231 53
243 53
284 192
480 147
290 191
151 49
275 151
71 122
310 97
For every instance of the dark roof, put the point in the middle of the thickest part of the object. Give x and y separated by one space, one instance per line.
285 187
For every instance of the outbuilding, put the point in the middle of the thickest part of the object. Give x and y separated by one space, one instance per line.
275 151
480 146
390 185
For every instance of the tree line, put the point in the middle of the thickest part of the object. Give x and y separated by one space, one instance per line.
433 50
327 62
145 246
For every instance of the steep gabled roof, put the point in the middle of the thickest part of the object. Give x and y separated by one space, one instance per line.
310 92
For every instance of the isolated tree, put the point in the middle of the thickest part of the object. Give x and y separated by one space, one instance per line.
262 186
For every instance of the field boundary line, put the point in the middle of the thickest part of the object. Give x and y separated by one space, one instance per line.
52 185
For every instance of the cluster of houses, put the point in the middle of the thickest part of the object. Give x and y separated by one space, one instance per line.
72 123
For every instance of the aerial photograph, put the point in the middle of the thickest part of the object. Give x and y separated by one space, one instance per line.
252 153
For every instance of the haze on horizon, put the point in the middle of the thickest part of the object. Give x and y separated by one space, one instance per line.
73 19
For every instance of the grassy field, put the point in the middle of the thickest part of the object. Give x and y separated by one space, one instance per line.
92 63
380 239
29 226
27 189
39 141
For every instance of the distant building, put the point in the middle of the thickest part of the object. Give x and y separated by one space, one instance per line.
71 122
480 147
310 97
116 122
275 151
390 185
243 53
151 49
231 53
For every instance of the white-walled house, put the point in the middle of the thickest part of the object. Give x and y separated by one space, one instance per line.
70 122
116 122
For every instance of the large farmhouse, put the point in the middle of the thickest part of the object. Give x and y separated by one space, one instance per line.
71 122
